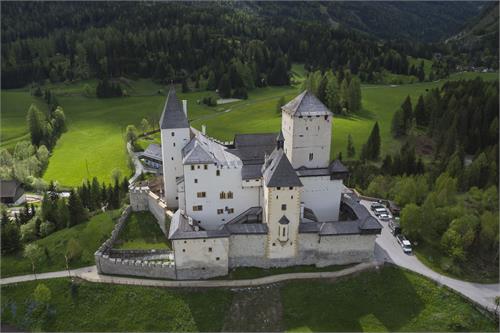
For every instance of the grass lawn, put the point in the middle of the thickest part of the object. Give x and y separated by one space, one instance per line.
14 106
104 307
390 300
387 300
94 145
472 270
141 232
90 235
242 273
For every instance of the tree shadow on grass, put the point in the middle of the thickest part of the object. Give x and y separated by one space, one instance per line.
362 114
371 301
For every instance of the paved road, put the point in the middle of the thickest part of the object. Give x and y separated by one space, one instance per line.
139 168
90 274
388 249
49 275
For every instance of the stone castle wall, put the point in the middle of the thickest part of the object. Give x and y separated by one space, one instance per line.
147 263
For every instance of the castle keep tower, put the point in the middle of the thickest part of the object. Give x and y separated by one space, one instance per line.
281 211
306 124
175 134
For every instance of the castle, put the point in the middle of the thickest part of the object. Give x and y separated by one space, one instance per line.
263 200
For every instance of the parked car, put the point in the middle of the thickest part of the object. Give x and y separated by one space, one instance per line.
384 217
376 205
405 244
380 211
394 226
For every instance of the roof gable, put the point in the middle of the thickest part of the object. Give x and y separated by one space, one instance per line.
306 104
173 114
278 172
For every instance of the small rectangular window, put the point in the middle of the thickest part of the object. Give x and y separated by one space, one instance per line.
278 188
198 166
209 249
217 173
196 181
201 194
230 210
310 156
197 208
174 144
220 211
229 195
222 195
205 167
217 258
173 133
192 167
283 207
291 187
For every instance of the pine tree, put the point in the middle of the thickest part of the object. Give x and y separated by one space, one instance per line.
36 125
77 213
211 84
95 194
354 95
332 94
351 151
398 128
279 104
224 87
407 113
185 87
279 75
420 115
371 149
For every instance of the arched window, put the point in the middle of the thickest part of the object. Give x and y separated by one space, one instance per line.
222 195
229 195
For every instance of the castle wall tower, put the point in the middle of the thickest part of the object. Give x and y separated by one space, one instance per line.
307 129
175 134
282 206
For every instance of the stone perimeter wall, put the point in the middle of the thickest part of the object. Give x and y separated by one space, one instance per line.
243 250
131 262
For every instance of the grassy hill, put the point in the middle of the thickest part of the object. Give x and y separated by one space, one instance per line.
94 145
14 105
386 300
90 235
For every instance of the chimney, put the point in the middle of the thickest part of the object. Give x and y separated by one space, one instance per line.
204 129
185 107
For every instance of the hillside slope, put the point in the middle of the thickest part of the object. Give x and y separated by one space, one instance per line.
424 21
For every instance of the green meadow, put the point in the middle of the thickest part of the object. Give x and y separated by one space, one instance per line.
388 299
141 232
90 235
94 144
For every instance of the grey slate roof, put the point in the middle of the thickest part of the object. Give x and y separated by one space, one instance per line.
181 229
306 104
283 220
10 189
337 167
252 140
173 115
251 171
363 223
247 223
278 172
153 152
202 150
246 229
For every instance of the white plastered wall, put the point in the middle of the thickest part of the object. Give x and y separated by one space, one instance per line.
171 147
322 195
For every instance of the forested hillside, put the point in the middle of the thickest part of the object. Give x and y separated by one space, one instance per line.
424 21
205 42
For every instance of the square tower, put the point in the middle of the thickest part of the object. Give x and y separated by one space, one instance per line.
306 124
175 134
